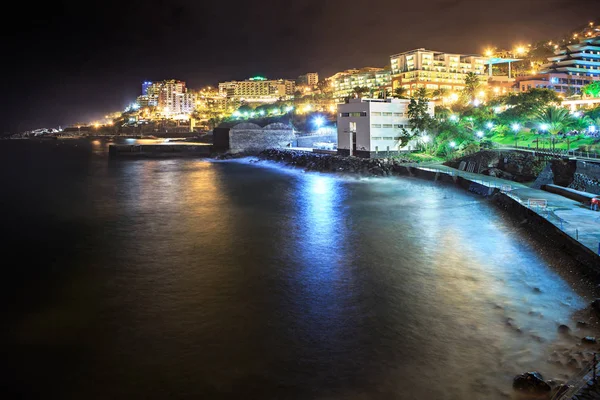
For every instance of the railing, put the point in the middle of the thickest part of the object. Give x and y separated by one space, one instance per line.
580 381
556 152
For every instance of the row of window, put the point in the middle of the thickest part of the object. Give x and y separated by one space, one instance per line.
354 114
385 138
395 126
386 114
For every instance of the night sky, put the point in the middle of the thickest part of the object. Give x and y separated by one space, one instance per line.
76 61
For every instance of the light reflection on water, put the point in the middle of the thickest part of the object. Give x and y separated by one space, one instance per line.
230 279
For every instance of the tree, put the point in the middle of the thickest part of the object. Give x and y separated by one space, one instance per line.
419 118
400 92
528 104
439 93
591 89
421 93
360 90
554 120
472 83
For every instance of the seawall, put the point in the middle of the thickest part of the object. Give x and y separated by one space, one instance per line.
536 223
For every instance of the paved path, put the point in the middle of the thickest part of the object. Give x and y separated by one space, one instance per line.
571 216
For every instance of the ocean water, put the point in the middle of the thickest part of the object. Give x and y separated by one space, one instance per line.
243 279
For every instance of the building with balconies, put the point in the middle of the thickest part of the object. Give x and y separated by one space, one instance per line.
434 70
374 79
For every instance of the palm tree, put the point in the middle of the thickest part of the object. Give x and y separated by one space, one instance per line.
472 83
439 93
421 93
360 90
591 89
554 120
400 92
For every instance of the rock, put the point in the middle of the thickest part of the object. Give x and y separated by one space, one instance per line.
563 329
582 324
596 306
531 382
588 339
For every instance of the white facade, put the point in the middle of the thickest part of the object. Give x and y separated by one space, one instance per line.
375 125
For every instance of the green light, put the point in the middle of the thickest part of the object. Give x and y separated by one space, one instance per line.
258 78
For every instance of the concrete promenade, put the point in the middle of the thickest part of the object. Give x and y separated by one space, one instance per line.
570 216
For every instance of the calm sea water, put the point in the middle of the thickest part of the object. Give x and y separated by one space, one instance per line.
198 279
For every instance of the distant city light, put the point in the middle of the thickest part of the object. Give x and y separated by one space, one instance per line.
480 134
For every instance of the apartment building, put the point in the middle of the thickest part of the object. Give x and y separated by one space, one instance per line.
434 69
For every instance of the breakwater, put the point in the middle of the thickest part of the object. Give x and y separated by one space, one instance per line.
159 150
404 167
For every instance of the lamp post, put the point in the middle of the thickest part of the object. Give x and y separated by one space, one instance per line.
516 128
543 128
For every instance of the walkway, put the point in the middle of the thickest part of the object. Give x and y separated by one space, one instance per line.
572 217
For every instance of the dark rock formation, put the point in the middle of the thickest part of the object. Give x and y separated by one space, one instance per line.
334 163
589 340
563 329
531 382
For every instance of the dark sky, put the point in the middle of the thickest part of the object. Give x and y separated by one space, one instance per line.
75 61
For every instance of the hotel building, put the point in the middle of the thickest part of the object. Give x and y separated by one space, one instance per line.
372 128
257 90
434 69
572 67
343 83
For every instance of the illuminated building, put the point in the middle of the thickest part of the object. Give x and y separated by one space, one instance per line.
147 100
376 126
434 69
374 79
309 79
171 97
257 90
145 86
572 67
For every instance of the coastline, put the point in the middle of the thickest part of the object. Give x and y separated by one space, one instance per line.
540 226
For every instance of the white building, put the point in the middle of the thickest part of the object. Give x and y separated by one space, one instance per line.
374 125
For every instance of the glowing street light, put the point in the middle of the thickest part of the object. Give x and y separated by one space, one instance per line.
543 127
453 118
520 50
425 138
592 129
453 144
319 121
262 112
480 134
289 108
515 127
489 125
489 53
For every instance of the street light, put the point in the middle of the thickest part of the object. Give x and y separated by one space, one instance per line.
515 128
489 125
453 144
480 134
319 121
453 118
592 129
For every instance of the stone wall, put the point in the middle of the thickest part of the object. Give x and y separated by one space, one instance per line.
513 165
249 138
309 141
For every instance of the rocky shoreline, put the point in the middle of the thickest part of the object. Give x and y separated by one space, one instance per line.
333 163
